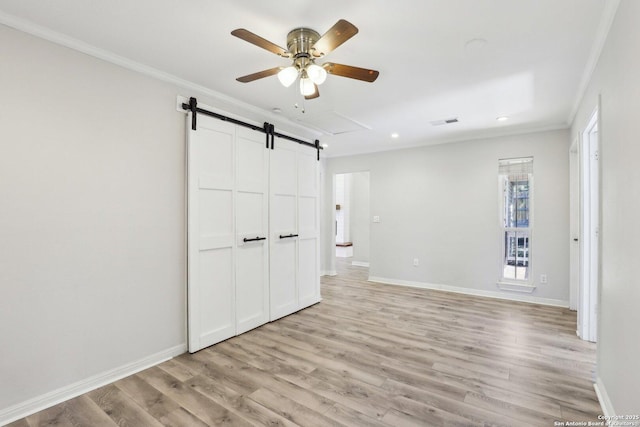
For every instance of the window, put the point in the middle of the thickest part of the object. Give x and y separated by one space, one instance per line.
516 185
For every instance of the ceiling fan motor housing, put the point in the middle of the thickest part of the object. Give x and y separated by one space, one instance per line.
300 43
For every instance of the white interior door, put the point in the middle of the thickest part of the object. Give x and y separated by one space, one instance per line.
211 241
589 232
283 220
308 228
252 213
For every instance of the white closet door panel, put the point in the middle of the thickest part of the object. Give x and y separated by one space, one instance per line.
283 214
308 229
308 216
283 223
253 162
284 256
216 296
211 243
252 213
215 150
252 301
283 168
307 172
283 278
214 220
308 280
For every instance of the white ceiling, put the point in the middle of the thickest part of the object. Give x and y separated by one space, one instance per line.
531 68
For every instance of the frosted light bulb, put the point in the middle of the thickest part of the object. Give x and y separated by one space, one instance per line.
307 87
288 75
316 73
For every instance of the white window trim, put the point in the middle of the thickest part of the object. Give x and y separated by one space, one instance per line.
515 285
520 286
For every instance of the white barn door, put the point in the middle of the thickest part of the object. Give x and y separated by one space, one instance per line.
284 229
294 272
253 238
211 225
252 229
308 228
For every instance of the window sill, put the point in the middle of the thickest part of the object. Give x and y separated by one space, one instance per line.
516 287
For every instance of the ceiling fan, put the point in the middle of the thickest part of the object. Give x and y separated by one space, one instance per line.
304 46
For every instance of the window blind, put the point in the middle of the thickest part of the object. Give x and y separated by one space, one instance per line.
517 166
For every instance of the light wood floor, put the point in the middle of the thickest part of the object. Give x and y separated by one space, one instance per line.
368 355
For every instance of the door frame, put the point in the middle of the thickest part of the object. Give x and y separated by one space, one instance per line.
589 239
332 228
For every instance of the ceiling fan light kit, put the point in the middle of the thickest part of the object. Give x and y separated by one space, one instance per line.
316 73
304 46
288 75
307 87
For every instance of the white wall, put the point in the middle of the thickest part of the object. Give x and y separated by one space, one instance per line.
440 204
617 80
359 216
92 219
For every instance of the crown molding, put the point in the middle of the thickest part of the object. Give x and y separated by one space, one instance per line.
489 134
108 56
608 15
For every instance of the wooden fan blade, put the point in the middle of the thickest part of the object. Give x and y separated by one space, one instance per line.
314 94
338 34
259 75
351 72
255 39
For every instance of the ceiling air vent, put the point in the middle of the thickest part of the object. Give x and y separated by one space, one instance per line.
444 122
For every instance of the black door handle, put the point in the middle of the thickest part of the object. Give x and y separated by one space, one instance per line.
254 240
288 236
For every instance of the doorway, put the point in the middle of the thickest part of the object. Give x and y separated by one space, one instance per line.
352 230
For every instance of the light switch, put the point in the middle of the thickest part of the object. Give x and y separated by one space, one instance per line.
376 218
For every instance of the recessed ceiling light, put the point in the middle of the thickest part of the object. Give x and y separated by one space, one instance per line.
325 145
502 118
394 135
276 110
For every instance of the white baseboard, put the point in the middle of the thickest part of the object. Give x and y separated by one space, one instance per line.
360 263
54 397
469 291
329 273
603 398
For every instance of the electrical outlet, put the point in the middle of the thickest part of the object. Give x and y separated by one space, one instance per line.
416 262
543 278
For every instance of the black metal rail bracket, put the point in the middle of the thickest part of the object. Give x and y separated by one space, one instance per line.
272 132
267 128
193 106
